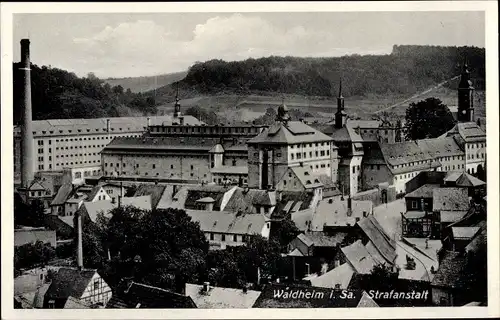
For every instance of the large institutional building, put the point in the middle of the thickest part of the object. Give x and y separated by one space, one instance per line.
351 155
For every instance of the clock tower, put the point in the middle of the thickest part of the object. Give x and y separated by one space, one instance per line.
465 96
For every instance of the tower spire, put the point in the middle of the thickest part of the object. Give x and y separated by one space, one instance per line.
177 106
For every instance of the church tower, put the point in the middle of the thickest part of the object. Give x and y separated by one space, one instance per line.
340 115
465 96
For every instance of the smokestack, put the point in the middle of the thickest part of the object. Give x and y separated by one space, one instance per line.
27 172
79 258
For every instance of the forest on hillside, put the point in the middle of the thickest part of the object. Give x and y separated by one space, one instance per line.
58 94
407 70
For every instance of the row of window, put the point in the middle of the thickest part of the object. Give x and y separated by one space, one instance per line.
87 173
192 174
80 130
476 145
77 162
303 155
223 237
81 147
207 130
309 145
77 155
479 156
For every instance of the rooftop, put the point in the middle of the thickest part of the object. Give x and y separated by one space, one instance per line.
337 214
450 199
379 238
228 222
450 272
340 275
58 127
464 232
69 282
292 132
221 298
137 295
424 191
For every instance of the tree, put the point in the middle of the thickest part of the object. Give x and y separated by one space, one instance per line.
382 277
283 232
163 248
33 254
32 214
429 118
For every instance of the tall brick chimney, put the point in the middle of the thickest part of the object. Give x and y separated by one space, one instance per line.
27 172
79 246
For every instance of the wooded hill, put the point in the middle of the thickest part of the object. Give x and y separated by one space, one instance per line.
58 94
406 71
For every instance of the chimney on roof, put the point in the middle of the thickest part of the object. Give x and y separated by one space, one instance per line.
206 287
147 122
79 247
27 152
107 126
427 243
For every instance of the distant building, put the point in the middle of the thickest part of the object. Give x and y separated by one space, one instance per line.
77 143
224 229
287 144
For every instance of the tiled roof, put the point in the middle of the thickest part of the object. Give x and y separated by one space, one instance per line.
138 295
440 147
340 275
159 144
105 206
335 214
450 271
221 298
319 239
190 194
59 127
323 298
305 239
451 216
467 180
452 176
384 244
480 239
302 218
464 232
155 191
306 177
69 282
424 191
359 258
228 222
403 153
471 132
62 194
246 200
290 200
450 199
291 133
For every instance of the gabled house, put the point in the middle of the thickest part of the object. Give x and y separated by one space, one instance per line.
209 297
133 295
419 218
222 228
333 215
27 235
84 286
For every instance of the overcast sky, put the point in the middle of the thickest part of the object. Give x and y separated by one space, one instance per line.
120 45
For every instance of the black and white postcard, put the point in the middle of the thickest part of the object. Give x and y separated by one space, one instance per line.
247 159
